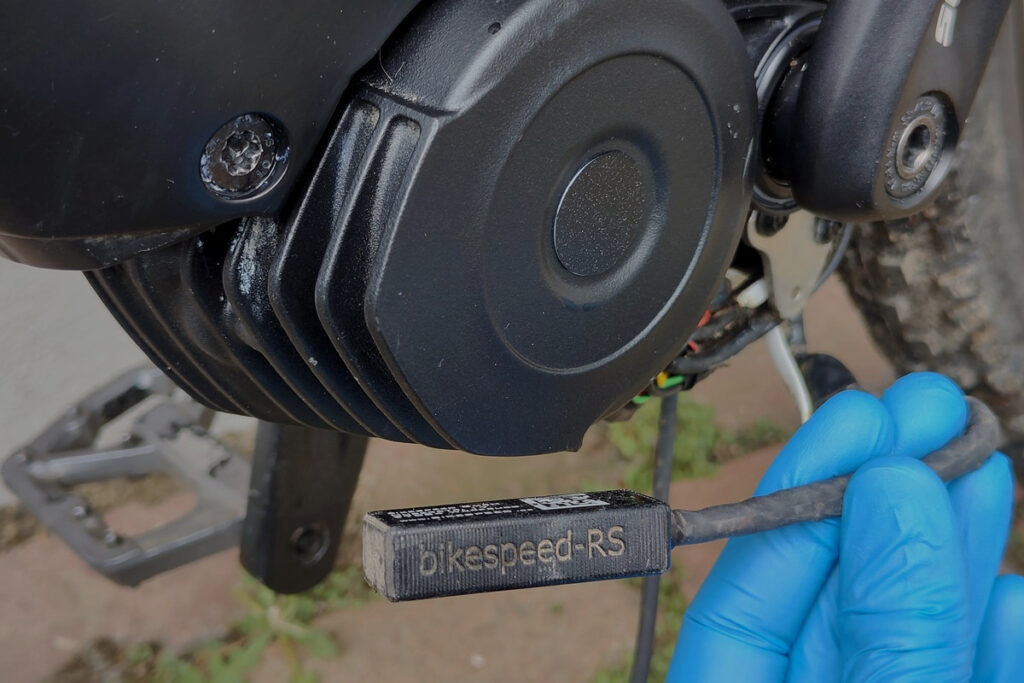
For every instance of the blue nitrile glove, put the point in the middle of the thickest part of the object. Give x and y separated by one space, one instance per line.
903 587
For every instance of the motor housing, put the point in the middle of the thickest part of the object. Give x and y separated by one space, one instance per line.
522 213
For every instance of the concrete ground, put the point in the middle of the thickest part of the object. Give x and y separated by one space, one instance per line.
58 342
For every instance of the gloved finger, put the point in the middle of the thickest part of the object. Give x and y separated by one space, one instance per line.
903 605
815 655
981 503
982 506
928 411
744 619
1000 652
982 500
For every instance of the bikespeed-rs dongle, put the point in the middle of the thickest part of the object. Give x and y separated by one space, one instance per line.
517 543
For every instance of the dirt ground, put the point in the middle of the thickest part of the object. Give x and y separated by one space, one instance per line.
52 605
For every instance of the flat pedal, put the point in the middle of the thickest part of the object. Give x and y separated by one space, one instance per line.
169 436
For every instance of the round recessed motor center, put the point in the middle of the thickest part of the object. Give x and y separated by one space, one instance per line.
601 214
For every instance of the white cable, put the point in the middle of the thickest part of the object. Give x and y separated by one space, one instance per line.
782 357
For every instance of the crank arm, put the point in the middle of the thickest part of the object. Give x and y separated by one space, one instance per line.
884 94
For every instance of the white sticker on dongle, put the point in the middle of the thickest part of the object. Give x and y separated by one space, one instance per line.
564 502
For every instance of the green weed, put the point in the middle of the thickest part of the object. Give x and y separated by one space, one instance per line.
700 444
284 621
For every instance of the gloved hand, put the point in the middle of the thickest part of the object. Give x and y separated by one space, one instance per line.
903 587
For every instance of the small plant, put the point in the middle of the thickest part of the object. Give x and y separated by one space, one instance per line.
696 436
750 438
699 444
270 619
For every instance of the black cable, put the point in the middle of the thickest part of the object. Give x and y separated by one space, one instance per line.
718 323
837 254
694 364
663 457
823 499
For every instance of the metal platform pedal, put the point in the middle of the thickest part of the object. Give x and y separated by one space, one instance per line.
170 436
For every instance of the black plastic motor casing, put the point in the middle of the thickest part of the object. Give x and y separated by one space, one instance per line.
106 107
519 218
